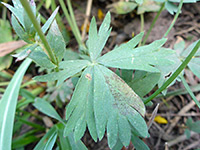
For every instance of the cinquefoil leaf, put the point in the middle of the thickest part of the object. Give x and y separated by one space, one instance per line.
142 58
115 102
97 41
80 112
70 68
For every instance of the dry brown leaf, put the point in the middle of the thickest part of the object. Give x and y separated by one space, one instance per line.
8 47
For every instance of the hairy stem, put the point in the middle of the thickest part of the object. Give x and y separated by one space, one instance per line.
28 10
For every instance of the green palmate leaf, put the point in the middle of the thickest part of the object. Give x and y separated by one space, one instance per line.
76 145
143 58
193 126
8 106
47 24
96 41
121 100
144 82
41 58
167 71
194 64
70 68
171 8
80 109
185 1
71 55
5 62
56 41
6 31
138 143
139 1
68 142
47 109
148 6
48 140
102 100
123 7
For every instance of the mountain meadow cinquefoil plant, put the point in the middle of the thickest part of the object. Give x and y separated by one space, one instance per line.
102 101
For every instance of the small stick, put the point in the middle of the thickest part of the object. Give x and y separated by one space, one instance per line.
182 111
87 15
180 139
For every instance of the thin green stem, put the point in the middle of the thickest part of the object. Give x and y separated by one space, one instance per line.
175 74
182 91
49 51
40 5
69 19
28 83
4 83
2 90
187 87
141 24
153 23
175 18
73 19
4 14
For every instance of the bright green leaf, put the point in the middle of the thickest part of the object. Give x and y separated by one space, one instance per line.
46 108
77 110
141 58
41 58
47 24
5 31
48 140
8 106
138 143
70 67
56 41
144 82
96 41
123 7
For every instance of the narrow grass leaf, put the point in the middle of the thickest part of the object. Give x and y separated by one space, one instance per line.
8 106
48 140
48 23
76 112
46 108
138 143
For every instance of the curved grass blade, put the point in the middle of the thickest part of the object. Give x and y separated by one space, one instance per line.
8 106
48 141
47 109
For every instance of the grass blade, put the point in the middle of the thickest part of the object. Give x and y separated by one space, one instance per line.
8 106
